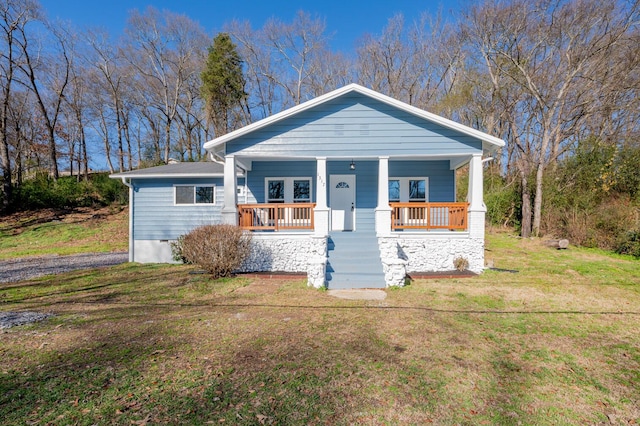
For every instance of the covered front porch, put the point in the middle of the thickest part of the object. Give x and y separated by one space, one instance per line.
322 195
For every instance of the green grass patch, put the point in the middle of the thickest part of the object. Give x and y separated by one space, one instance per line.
70 232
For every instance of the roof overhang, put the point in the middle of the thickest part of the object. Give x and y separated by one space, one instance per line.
187 170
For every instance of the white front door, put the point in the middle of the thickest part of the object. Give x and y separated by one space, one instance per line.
342 200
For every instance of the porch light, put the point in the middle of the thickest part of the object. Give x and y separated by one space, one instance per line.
352 166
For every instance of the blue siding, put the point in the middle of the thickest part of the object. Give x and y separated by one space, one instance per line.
155 217
354 125
262 169
441 177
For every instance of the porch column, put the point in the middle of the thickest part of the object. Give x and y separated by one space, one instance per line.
383 210
230 208
477 209
321 211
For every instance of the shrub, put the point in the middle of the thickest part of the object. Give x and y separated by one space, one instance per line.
68 192
218 249
460 263
630 244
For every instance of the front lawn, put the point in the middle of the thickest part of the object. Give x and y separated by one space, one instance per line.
556 343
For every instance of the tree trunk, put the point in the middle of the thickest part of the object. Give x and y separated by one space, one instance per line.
525 230
53 152
6 173
167 147
537 203
120 144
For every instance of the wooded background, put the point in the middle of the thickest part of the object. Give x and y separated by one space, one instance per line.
558 80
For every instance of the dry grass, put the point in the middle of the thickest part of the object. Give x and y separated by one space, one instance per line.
556 343
51 231
149 344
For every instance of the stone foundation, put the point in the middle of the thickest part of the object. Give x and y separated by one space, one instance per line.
427 253
288 253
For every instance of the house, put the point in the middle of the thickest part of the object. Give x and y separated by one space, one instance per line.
354 188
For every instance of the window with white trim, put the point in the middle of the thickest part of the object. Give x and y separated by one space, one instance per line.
408 189
288 190
194 194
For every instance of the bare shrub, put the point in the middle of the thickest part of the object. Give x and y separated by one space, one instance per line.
460 263
218 249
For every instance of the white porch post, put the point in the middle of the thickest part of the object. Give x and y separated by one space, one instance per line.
230 208
477 208
321 211
383 210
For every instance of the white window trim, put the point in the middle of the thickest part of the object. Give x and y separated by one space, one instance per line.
404 188
288 188
175 201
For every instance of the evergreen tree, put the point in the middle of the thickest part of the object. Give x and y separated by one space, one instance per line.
223 85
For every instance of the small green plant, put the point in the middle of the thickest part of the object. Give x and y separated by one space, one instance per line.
218 249
461 263
176 250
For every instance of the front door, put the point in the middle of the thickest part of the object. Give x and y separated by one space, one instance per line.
342 200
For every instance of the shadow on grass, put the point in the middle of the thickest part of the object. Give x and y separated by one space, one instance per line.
115 370
129 349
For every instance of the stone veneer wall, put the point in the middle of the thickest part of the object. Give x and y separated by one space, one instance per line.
423 253
288 253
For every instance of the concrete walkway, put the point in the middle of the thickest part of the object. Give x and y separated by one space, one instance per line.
359 294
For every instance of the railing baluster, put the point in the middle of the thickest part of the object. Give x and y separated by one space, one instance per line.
276 216
429 216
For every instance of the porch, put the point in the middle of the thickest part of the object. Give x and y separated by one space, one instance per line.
319 196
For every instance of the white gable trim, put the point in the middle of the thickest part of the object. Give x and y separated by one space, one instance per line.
212 144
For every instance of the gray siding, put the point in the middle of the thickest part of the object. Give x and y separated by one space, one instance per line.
155 217
354 125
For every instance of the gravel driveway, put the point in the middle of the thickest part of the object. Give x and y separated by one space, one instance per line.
32 267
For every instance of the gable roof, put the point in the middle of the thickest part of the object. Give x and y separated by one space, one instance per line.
177 170
491 140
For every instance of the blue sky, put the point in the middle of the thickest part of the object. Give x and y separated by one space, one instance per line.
348 19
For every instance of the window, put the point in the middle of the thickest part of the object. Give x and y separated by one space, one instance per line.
301 190
417 190
192 194
275 191
288 190
409 189
394 190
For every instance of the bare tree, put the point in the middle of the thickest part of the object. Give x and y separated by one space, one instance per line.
261 76
14 17
111 78
46 74
296 44
162 49
557 54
